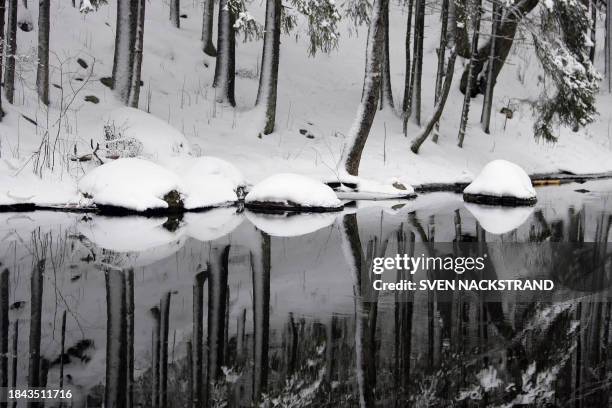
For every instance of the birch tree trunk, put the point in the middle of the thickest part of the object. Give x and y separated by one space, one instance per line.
468 93
134 96
115 387
207 28
36 296
261 316
175 13
225 69
407 87
11 50
268 78
487 104
125 40
42 72
358 135
386 92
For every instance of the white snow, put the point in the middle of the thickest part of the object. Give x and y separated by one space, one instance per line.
208 181
294 189
160 141
499 219
134 184
371 189
213 224
291 225
501 178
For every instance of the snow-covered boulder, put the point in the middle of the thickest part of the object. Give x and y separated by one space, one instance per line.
208 181
130 132
499 220
132 184
292 192
290 225
501 182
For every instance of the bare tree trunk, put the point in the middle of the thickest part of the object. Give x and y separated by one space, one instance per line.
4 335
125 40
439 105
175 13
129 301
268 78
407 82
414 98
593 5
466 100
386 92
225 67
36 297
441 59
487 104
134 96
115 388
42 73
198 339
351 155
261 317
164 329
608 50
207 28
459 26
11 50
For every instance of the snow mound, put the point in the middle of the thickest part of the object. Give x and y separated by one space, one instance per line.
130 132
501 182
499 220
208 181
290 224
356 188
292 192
133 184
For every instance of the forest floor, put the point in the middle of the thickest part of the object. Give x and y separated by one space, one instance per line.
317 101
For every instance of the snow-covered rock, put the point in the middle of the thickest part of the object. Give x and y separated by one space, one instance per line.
499 220
291 225
501 182
288 191
133 132
208 181
132 184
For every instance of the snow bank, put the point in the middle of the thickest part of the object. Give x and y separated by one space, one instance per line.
292 224
208 181
356 188
502 181
133 184
499 220
292 192
145 134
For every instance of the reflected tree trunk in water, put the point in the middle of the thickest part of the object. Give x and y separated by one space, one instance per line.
36 295
217 303
129 293
198 339
4 333
164 328
155 354
240 338
261 266
116 331
15 352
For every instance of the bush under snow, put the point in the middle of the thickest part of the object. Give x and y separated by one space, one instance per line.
502 182
292 192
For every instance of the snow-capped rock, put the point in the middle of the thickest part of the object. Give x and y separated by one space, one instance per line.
130 184
499 220
501 182
295 192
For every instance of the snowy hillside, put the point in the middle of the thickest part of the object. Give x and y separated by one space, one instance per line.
317 101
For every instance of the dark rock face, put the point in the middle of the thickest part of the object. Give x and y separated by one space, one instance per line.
175 203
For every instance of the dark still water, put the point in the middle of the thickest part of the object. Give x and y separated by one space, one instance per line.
227 309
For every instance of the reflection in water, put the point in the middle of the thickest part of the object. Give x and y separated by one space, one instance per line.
222 310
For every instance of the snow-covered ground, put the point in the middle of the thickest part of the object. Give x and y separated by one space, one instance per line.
317 101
